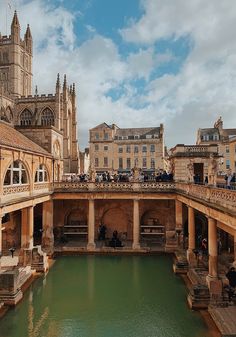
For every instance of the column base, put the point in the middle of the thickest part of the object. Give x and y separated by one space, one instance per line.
191 258
136 246
91 246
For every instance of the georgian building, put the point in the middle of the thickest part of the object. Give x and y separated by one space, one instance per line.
48 120
117 149
222 137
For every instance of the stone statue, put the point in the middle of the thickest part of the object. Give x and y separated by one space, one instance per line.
212 170
92 173
136 173
190 171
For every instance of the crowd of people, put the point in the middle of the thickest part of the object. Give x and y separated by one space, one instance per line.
161 176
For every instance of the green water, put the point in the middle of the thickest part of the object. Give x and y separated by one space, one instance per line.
105 296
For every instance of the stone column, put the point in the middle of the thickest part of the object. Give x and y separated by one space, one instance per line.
212 248
27 227
91 221
136 225
179 220
191 235
0 240
47 236
235 248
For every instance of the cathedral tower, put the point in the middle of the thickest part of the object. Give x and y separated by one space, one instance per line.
16 61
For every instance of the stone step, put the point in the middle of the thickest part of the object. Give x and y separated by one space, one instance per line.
225 320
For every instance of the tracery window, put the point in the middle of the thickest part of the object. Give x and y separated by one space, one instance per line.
41 174
16 174
26 117
47 117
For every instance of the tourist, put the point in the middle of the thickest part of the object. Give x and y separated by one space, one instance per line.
115 241
102 232
204 246
231 276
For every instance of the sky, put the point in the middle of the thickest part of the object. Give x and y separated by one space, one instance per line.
136 63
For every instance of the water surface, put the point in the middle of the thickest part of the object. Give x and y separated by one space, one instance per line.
106 296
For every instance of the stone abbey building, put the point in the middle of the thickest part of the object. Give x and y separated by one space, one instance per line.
48 120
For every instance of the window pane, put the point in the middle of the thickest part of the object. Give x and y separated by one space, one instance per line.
23 177
7 180
16 177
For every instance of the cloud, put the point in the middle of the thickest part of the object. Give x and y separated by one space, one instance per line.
192 96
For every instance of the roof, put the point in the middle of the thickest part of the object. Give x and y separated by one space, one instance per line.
209 131
102 125
138 131
14 139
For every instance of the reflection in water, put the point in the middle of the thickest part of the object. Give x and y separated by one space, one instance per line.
91 277
104 296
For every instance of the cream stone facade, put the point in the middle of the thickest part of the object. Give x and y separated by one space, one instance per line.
190 161
115 149
220 136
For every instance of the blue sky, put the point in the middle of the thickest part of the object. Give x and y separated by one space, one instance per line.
137 62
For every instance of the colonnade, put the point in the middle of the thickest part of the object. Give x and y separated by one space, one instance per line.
212 239
27 228
91 225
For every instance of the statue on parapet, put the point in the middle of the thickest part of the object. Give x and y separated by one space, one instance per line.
190 171
212 170
92 173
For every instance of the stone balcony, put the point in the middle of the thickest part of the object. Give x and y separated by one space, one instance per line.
212 196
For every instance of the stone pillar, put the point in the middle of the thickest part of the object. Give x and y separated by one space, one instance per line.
212 248
179 220
27 227
191 236
235 248
91 222
0 240
136 225
47 236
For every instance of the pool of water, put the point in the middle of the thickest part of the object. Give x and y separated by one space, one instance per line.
105 296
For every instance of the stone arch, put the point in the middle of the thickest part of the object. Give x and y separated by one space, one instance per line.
26 117
41 174
75 217
57 150
47 117
9 114
116 219
151 215
16 173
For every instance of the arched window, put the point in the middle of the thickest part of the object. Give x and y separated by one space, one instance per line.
56 150
47 117
16 174
41 174
26 117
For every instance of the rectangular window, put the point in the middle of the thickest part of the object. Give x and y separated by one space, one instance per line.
105 148
96 163
228 164
120 149
96 147
235 164
136 137
136 149
96 135
227 149
152 148
144 148
235 148
128 149
144 162
105 161
153 163
106 136
128 166
136 162
120 163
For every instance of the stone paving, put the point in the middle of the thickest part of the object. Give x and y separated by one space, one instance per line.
225 320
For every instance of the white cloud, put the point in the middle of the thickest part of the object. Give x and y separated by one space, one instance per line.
201 91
